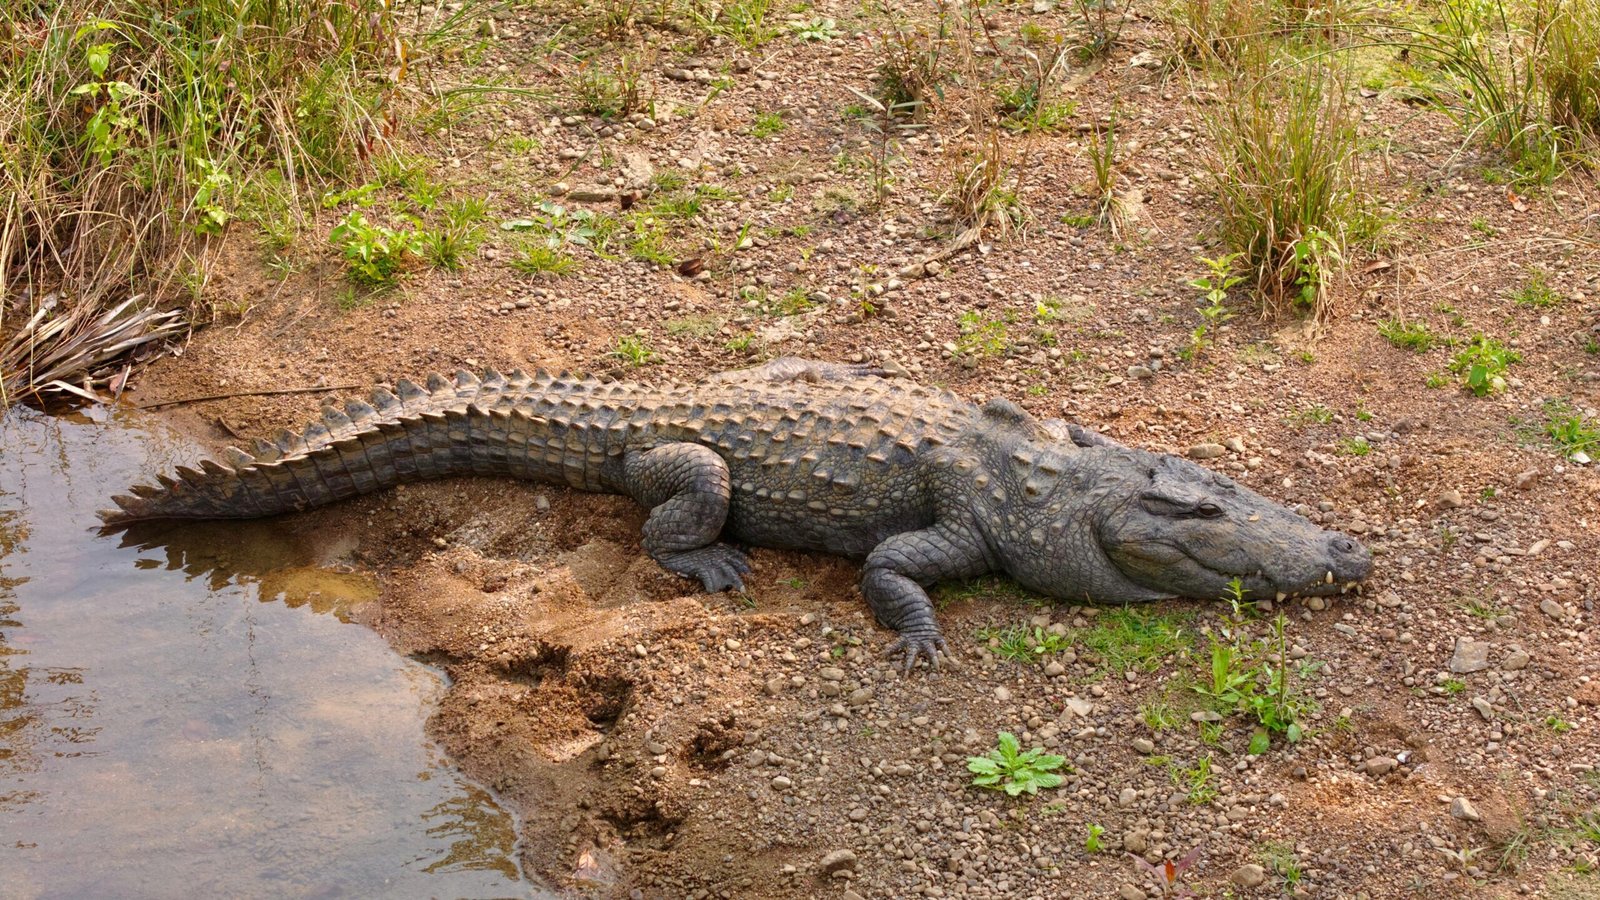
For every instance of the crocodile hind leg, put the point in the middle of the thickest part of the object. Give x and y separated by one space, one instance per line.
685 487
896 576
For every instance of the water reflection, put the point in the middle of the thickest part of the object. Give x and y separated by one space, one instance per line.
183 713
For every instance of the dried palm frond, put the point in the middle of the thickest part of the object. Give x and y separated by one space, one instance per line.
70 348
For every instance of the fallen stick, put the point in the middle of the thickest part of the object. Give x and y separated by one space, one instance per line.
260 393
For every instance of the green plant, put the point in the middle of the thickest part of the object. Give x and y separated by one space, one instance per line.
1101 23
1570 429
536 257
768 124
815 29
1557 724
1315 414
448 246
980 336
1453 686
1536 292
632 350
374 254
1011 769
1092 843
1102 150
1353 446
1483 364
1413 336
611 92
914 60
1158 716
1128 639
1196 781
742 21
1214 287
1283 862
1019 644
1286 176
1166 875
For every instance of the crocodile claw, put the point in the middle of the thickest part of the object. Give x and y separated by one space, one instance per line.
930 644
718 567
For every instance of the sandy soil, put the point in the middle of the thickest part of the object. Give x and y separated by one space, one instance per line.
662 743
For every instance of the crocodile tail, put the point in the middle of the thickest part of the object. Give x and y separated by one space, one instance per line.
412 433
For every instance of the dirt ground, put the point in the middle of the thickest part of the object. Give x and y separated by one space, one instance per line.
658 742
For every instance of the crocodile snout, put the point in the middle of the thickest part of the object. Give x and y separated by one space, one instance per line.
1350 561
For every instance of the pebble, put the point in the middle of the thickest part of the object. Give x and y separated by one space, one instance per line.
1207 451
1144 745
1469 656
1381 765
1079 706
782 783
1451 500
1002 694
1249 875
1516 660
1463 809
832 673
1054 668
837 861
1130 892
1127 797
1552 609
1484 708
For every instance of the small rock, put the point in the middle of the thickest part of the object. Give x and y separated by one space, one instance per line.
593 193
1002 693
1470 656
1130 892
1136 842
1141 372
1249 875
832 673
1127 797
1234 444
1207 451
838 861
1516 660
1381 765
1462 809
1054 668
1552 609
1144 745
1080 707
1484 708
1451 500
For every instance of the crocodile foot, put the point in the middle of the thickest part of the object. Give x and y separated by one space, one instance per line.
921 643
718 566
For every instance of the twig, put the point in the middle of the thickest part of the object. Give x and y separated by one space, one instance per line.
261 393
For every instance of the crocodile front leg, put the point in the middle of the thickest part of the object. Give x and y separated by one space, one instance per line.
685 487
897 573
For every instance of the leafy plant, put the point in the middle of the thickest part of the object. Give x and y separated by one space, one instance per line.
632 350
1127 639
1413 336
768 124
980 336
1092 843
1214 286
816 29
1483 364
1570 429
1536 292
1353 446
374 254
535 257
1019 644
1011 769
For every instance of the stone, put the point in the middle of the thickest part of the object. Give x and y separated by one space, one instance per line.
1080 707
1451 500
593 193
1002 693
1552 609
1249 875
838 861
1463 809
1130 892
1207 451
1516 660
1381 765
1136 842
1054 668
1127 797
1484 708
637 171
1470 656
1144 745
832 673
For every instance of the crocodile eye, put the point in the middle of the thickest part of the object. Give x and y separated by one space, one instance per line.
1208 511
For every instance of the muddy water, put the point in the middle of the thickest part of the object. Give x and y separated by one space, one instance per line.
187 712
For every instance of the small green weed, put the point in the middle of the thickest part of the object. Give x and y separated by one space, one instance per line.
1315 414
1196 781
1353 446
1453 686
1483 363
374 254
1536 292
1159 716
535 257
1011 769
1019 644
815 30
1413 336
1570 429
980 336
768 124
1214 287
1092 843
632 350
1127 639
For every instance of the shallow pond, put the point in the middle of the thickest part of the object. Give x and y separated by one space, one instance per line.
191 714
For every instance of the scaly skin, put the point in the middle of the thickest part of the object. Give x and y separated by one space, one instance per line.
920 484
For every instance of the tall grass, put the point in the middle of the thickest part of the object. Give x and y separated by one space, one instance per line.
1284 169
134 131
1526 77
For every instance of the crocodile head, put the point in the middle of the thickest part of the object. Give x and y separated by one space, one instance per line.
1130 525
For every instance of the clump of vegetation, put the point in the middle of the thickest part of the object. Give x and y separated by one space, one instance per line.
1536 292
1128 639
135 130
1254 677
980 336
1107 170
612 91
1413 336
1287 181
768 124
537 257
374 254
632 350
1021 644
1483 364
448 246
1010 768
914 61
1570 430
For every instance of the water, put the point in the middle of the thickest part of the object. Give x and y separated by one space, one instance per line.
187 712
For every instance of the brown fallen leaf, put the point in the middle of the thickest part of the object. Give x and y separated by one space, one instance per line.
689 268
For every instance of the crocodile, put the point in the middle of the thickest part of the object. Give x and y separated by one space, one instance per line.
920 484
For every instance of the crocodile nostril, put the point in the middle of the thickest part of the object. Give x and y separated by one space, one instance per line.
1344 545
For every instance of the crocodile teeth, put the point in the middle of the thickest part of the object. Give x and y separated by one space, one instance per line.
1344 588
1329 579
